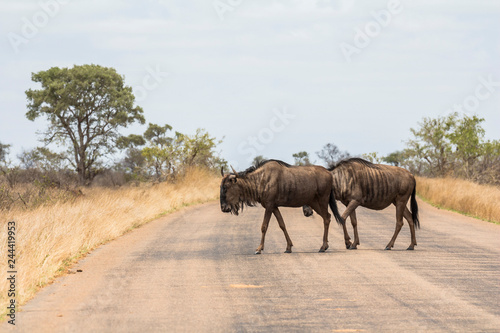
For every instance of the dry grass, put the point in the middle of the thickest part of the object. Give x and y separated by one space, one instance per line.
50 237
31 195
481 201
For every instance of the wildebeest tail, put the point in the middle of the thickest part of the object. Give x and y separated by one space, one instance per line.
335 210
414 208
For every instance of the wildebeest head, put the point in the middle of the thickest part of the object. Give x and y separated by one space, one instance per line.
230 193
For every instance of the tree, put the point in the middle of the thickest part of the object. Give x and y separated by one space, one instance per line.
396 158
373 157
432 144
301 158
258 159
166 155
4 152
467 137
488 168
133 140
199 150
160 151
133 161
85 106
453 145
42 158
331 154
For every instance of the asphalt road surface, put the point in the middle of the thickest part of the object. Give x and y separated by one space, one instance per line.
195 271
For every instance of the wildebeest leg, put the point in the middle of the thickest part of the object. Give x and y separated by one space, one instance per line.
354 223
408 218
265 224
400 209
289 244
326 223
323 212
350 208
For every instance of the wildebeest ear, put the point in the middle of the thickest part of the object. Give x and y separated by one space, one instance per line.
222 171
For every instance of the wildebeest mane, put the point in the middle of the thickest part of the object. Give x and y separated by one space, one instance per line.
260 164
352 160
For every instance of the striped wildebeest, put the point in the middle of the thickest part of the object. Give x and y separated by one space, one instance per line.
357 182
274 184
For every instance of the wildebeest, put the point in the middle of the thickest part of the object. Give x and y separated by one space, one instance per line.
357 182
275 184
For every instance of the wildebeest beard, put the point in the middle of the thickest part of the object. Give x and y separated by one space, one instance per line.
240 205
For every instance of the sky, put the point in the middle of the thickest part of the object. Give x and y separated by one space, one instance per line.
269 77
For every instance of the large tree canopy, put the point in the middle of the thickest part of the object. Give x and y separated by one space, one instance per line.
85 105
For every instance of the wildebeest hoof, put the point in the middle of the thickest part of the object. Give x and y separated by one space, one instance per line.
353 247
348 245
288 251
258 252
387 248
410 248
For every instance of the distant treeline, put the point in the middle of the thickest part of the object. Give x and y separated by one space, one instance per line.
446 146
154 156
449 146
42 176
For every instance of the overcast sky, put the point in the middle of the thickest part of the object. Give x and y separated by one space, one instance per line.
271 77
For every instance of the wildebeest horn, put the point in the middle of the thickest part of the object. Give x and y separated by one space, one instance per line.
222 171
234 171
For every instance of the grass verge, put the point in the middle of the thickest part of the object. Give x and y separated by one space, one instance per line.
462 196
51 237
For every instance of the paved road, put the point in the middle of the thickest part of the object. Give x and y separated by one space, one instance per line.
195 271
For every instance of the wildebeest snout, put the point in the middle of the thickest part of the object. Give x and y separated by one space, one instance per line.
225 208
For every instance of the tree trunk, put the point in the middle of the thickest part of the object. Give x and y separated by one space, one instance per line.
82 168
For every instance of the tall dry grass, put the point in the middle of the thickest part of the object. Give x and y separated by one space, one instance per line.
50 237
482 201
